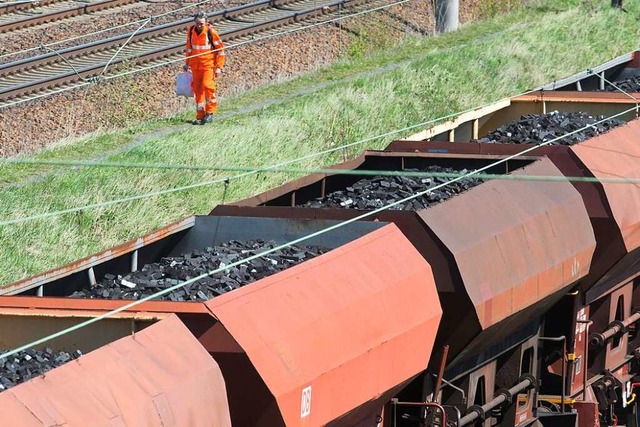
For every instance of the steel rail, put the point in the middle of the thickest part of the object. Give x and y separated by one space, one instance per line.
145 34
56 13
15 6
23 78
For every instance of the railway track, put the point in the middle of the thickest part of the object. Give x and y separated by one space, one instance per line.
16 16
25 6
48 73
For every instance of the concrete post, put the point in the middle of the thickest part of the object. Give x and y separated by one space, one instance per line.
446 15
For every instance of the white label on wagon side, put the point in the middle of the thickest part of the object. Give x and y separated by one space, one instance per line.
305 402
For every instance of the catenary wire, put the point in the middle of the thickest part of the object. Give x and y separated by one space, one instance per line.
131 24
326 171
128 24
229 46
146 21
618 88
277 248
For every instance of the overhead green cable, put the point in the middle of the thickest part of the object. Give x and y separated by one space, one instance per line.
331 171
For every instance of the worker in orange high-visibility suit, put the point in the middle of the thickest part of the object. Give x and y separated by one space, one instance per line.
205 57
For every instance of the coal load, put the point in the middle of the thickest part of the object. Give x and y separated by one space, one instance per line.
171 271
28 364
539 128
632 84
379 191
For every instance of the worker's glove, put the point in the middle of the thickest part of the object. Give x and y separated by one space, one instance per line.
217 72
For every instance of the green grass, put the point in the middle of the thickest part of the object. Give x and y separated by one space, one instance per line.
389 89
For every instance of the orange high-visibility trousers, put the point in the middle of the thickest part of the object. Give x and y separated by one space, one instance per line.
204 90
204 53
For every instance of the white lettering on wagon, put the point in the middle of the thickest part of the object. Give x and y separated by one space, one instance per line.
305 402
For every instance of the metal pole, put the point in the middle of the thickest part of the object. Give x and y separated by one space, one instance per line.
502 395
445 353
458 389
457 413
616 328
446 15
586 358
564 363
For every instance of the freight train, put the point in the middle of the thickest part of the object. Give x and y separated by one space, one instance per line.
510 299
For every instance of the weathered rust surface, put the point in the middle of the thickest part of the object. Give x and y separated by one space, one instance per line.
88 305
617 349
612 264
20 326
515 242
464 331
342 331
460 328
615 155
472 149
576 97
161 376
588 414
25 319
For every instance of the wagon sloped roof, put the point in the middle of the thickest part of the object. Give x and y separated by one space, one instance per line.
161 376
515 242
615 155
342 331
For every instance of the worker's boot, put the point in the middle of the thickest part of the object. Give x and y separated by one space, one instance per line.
207 118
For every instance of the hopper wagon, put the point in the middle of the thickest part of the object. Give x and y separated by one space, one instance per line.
154 377
599 318
502 252
323 335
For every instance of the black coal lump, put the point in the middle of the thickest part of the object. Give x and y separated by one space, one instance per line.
32 363
171 271
539 128
378 191
631 84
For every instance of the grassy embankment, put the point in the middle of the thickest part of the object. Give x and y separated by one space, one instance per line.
390 89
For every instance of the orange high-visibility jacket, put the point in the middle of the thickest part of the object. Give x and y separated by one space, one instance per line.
197 44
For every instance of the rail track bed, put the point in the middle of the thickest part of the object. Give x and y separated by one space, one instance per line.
18 16
79 65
